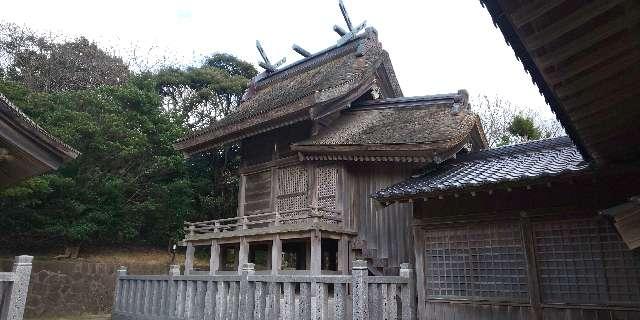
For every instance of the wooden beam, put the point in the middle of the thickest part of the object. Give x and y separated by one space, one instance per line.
343 255
531 11
568 23
418 236
316 253
593 78
582 43
628 81
214 260
188 259
243 253
567 70
276 255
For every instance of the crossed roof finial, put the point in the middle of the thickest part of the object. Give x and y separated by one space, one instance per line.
345 36
266 64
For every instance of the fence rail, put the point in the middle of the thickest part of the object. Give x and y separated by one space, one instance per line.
14 286
247 296
266 219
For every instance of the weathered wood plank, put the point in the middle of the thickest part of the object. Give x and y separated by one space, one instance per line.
304 311
568 23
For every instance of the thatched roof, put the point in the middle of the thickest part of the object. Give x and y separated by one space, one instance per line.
415 129
302 91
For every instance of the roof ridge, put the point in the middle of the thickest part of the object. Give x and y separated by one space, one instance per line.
307 63
519 148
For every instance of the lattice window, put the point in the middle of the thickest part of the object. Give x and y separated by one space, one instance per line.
585 261
326 178
293 186
476 262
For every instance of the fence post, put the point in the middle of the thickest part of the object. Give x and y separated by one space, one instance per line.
18 295
245 307
360 290
117 305
174 270
408 294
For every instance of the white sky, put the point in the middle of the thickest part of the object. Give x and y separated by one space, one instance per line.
436 46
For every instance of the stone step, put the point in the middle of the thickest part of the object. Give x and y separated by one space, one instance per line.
358 244
380 262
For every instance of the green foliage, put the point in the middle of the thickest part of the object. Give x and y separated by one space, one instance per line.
199 96
523 127
129 184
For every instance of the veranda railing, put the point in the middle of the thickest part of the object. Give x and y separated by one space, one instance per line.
14 286
267 219
247 296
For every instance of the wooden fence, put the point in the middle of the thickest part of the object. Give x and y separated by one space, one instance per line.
13 289
247 296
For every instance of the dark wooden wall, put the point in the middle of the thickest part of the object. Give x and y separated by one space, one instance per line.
577 266
386 230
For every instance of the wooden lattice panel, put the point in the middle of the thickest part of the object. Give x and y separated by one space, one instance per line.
584 262
476 262
293 186
326 178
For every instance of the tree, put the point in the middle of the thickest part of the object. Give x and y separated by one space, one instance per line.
128 185
44 64
200 96
505 123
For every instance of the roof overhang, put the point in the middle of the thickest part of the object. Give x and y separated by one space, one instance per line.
583 55
28 149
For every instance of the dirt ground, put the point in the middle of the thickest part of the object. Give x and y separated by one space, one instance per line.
82 317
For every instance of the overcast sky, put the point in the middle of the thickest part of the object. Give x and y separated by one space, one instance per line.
436 46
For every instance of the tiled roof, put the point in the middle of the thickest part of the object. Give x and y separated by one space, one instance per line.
549 157
321 78
428 125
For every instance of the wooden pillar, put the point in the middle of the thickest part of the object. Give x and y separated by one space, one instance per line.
343 254
316 252
276 255
243 253
214 260
532 268
188 260
418 236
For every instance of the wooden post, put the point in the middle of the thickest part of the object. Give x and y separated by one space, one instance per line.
360 290
276 255
243 253
118 300
408 293
316 253
246 303
188 261
418 236
214 260
532 268
343 254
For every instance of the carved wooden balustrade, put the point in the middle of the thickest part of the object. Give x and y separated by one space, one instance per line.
311 216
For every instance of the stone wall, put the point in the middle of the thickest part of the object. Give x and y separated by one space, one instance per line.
60 288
